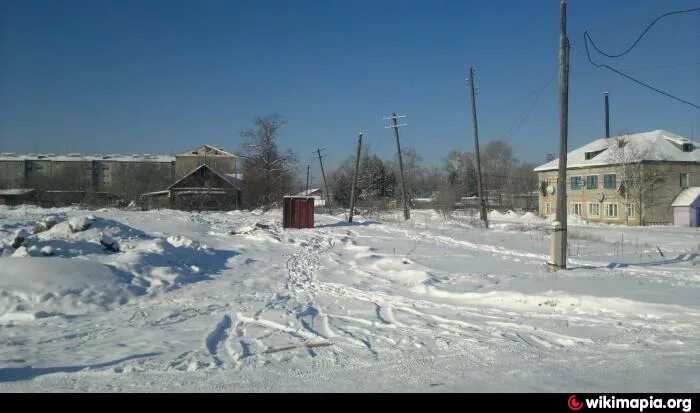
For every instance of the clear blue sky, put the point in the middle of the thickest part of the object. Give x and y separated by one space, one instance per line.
152 76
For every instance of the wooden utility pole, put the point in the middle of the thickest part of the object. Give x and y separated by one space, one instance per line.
395 125
354 179
479 182
308 169
235 174
325 185
558 248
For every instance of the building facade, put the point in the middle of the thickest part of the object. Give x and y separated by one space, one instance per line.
104 179
217 159
628 179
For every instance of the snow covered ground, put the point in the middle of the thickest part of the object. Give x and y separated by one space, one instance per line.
115 300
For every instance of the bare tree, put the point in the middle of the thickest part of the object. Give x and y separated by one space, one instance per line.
498 163
461 173
341 183
412 170
268 174
635 186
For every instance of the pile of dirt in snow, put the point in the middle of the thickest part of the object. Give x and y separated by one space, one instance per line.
247 229
77 224
512 215
140 261
45 224
495 215
36 288
181 241
162 264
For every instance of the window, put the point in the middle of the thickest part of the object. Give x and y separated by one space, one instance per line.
684 180
591 155
593 209
547 208
609 181
576 208
592 182
575 183
630 210
611 210
687 147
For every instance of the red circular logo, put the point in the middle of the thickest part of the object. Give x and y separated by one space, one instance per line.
574 404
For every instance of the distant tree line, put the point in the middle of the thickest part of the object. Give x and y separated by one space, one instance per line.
503 174
269 174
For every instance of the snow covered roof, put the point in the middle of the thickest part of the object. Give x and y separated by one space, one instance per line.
22 191
76 157
165 192
687 197
657 145
234 176
208 150
308 192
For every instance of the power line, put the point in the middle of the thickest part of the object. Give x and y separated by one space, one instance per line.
517 101
534 103
640 68
639 81
587 36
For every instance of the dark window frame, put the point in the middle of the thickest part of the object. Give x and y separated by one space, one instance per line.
592 182
578 180
609 183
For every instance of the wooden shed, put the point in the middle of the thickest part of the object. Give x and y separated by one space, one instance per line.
201 189
298 212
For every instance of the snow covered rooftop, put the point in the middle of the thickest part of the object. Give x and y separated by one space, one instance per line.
208 150
76 157
15 191
309 192
234 177
657 145
687 197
